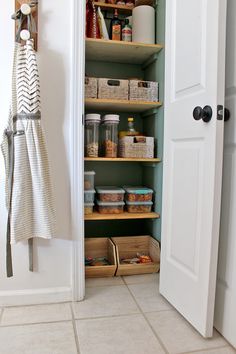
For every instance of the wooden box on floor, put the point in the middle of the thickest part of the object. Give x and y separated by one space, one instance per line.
128 247
96 248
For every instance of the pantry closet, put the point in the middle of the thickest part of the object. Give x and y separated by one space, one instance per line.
184 62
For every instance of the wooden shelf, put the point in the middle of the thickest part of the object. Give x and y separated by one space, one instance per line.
120 52
120 159
124 216
120 105
122 8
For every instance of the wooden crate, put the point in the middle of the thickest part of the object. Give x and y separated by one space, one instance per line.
100 247
128 247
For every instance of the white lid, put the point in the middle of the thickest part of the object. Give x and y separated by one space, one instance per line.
110 203
111 118
89 173
137 190
139 203
109 190
89 205
93 117
90 191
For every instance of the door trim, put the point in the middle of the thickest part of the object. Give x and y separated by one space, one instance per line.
77 147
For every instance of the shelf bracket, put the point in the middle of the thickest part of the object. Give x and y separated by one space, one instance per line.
150 61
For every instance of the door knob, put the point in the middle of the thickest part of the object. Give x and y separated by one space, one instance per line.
202 113
227 114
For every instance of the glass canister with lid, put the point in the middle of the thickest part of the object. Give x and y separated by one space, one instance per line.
110 135
92 123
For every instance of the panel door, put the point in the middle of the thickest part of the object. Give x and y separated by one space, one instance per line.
193 154
225 309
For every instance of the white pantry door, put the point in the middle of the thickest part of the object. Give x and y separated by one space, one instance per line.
225 308
193 154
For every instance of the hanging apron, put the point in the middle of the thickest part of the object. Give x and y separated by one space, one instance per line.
28 188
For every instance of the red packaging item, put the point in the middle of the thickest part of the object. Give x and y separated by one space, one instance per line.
92 27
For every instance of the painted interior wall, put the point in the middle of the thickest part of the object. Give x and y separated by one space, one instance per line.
52 258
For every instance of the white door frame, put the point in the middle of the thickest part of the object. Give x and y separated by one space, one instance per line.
77 36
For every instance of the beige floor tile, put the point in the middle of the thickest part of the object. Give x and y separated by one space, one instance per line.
105 301
36 314
120 335
141 279
178 335
92 282
49 338
148 297
225 350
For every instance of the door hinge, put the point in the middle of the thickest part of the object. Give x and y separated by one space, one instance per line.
220 112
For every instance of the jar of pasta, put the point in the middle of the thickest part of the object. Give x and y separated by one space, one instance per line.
92 122
110 135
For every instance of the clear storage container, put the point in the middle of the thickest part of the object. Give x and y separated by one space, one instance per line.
92 123
139 207
89 196
110 194
138 194
88 208
89 180
110 208
110 135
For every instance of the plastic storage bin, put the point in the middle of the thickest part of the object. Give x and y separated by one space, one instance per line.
110 194
138 194
89 196
89 180
110 208
92 122
139 207
88 208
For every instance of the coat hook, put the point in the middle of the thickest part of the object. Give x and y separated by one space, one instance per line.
25 9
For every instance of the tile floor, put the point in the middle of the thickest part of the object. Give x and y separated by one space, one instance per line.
119 316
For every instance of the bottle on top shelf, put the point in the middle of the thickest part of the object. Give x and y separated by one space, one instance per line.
116 28
127 32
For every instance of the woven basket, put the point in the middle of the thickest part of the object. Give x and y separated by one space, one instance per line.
91 87
113 89
132 147
144 91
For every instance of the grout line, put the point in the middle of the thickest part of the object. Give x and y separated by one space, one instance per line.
75 330
104 317
148 323
204 350
33 323
37 305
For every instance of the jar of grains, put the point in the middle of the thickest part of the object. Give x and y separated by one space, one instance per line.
92 122
110 135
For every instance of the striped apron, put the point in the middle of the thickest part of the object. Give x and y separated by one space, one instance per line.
28 188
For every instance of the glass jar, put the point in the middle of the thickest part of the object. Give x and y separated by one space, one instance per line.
92 123
110 135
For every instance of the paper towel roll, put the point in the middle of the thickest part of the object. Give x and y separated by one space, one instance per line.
143 24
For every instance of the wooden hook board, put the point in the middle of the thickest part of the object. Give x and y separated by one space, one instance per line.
18 4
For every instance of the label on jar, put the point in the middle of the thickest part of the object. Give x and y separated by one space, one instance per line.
116 32
127 34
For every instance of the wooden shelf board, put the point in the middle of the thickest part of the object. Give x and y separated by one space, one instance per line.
124 216
111 7
120 105
120 159
120 52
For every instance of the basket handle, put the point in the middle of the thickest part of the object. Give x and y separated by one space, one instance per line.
113 82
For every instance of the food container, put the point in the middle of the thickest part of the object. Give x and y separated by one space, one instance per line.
110 208
113 88
110 194
141 147
139 207
89 196
92 123
110 135
144 91
89 180
91 87
88 208
138 194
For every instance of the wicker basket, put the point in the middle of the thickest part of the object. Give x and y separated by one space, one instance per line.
136 147
144 91
91 87
113 89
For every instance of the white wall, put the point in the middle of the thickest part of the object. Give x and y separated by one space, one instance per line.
52 258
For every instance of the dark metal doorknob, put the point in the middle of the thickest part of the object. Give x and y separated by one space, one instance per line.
226 115
202 113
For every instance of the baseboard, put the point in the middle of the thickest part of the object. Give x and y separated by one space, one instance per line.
35 296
